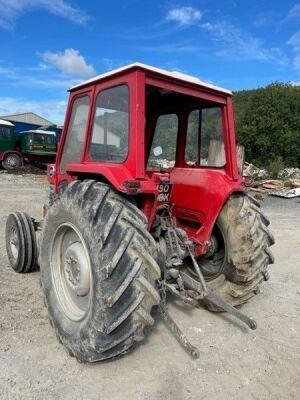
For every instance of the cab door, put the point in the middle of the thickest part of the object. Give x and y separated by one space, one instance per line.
7 139
201 177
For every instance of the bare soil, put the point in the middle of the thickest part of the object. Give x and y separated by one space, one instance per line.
235 363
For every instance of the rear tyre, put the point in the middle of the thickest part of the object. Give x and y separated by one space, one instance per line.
97 271
12 161
243 259
21 244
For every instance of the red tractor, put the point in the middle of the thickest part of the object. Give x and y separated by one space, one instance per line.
145 200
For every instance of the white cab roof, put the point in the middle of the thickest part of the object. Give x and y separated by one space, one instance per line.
7 123
172 74
40 131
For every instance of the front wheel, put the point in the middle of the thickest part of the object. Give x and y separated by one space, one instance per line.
21 243
97 271
12 161
241 239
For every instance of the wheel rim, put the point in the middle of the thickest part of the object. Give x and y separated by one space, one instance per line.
71 272
214 265
14 243
12 161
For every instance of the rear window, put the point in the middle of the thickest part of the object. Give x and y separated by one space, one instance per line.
204 140
163 149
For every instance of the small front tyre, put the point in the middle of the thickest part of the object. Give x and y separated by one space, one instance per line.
21 244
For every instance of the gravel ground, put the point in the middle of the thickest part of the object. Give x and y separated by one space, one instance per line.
235 363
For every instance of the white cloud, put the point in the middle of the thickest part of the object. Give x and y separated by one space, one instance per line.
36 77
227 39
69 62
239 44
296 62
54 110
110 64
184 15
11 10
181 47
269 18
294 11
45 88
294 42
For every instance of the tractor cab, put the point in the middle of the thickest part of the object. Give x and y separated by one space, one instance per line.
160 136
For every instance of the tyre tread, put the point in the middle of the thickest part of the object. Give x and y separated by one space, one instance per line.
128 271
249 241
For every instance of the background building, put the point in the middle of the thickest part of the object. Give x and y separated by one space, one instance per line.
28 121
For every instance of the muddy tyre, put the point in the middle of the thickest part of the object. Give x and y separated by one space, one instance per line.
12 161
97 271
21 245
242 263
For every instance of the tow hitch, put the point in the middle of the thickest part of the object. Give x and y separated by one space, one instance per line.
182 286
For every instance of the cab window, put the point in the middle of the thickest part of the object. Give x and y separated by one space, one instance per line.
111 125
74 143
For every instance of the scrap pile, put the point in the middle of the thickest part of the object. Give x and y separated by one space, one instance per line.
287 186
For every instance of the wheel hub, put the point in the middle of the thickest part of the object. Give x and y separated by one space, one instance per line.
212 264
72 271
14 244
212 247
11 161
76 269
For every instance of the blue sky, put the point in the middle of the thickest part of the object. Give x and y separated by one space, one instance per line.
49 45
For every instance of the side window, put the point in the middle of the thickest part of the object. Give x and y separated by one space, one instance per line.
192 137
163 149
74 143
5 132
111 125
205 142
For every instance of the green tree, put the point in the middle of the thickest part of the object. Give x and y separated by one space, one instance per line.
268 123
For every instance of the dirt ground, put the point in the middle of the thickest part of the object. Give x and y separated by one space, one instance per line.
235 363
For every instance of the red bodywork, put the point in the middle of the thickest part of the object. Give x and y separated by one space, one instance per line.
198 193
